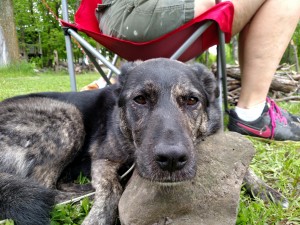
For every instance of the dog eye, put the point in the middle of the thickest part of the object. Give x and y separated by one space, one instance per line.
192 101
140 100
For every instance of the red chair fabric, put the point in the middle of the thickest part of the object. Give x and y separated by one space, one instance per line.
164 46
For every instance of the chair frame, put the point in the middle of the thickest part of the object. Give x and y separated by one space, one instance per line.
93 55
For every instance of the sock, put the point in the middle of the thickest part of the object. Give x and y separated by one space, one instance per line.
250 114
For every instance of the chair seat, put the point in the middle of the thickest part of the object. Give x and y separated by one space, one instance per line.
164 46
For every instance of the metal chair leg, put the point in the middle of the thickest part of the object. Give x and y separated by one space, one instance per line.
69 48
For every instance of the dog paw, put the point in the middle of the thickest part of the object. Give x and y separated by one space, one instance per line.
258 188
268 194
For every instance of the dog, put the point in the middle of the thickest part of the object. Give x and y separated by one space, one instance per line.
155 115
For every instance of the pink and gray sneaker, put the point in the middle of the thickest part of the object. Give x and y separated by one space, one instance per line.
274 123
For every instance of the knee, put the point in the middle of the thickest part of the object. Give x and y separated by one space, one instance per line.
202 5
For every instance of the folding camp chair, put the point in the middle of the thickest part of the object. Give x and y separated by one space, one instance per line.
184 43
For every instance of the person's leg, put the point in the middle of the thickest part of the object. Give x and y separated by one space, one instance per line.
261 45
202 5
265 27
244 10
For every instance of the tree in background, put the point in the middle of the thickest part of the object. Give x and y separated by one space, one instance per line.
39 31
9 51
292 54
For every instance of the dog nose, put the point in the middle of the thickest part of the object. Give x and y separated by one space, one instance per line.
171 158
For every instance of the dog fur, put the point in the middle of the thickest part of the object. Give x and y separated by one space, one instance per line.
153 117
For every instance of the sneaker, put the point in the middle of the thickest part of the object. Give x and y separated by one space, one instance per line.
274 123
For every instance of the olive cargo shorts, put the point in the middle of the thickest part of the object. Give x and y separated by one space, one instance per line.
142 20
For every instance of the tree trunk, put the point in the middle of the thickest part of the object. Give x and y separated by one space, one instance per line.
9 50
295 52
235 50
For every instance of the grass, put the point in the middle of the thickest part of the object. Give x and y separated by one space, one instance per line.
21 79
278 163
71 213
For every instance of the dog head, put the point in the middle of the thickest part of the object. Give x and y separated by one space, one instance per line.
165 108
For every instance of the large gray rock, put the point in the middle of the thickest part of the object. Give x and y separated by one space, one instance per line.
211 198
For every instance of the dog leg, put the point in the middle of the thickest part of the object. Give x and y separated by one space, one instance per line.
39 137
46 176
108 192
260 189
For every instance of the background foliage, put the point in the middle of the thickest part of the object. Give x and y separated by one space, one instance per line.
39 32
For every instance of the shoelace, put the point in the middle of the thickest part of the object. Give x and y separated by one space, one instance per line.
275 114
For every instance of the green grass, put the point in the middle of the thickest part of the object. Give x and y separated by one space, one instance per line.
278 163
21 79
70 214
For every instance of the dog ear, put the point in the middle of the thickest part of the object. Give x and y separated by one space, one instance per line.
125 70
208 80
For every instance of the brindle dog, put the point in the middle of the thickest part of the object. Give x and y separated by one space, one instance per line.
153 117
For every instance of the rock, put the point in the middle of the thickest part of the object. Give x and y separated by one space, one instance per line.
209 199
